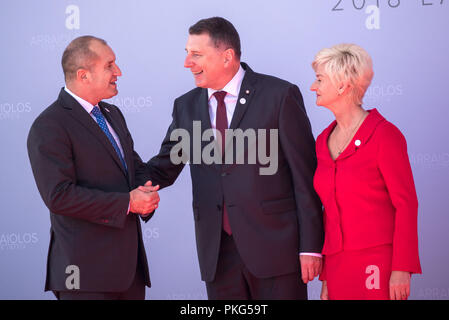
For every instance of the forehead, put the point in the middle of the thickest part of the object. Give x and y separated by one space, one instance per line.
199 42
320 70
103 51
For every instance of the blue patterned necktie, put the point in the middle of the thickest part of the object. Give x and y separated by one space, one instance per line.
102 123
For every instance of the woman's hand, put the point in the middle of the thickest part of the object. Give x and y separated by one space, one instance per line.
399 285
324 294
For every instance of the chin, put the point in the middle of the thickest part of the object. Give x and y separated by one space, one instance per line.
112 94
319 104
200 84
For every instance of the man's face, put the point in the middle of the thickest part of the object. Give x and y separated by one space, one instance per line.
206 62
103 72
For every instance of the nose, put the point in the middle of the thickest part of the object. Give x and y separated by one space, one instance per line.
188 62
313 86
118 72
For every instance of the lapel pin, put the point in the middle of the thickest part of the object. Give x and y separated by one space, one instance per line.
357 142
242 100
106 109
247 91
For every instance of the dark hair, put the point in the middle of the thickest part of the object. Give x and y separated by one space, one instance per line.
78 55
221 32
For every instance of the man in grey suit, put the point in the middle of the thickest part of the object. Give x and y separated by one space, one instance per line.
259 235
83 161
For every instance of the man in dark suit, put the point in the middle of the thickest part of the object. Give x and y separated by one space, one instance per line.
83 161
256 226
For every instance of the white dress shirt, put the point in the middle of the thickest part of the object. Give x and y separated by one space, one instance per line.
232 94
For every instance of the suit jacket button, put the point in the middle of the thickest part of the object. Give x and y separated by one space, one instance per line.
224 174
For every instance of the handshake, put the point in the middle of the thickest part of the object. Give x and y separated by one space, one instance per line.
144 199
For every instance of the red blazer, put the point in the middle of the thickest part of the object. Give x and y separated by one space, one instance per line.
368 193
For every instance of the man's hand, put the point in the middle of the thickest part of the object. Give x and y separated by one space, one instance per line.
144 200
148 187
399 285
310 267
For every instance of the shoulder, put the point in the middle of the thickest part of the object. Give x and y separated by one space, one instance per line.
50 124
272 81
51 115
269 84
190 96
189 100
389 138
187 104
276 86
388 131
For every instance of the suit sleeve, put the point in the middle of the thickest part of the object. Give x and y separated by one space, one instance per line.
160 169
397 174
298 145
51 157
139 180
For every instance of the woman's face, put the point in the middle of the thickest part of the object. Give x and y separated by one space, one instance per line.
326 92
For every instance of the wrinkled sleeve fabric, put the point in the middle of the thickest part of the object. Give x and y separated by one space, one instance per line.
396 171
298 146
51 157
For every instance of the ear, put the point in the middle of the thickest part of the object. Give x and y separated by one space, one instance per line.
343 87
82 75
229 56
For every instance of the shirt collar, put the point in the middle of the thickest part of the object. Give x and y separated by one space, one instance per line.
233 86
85 104
363 134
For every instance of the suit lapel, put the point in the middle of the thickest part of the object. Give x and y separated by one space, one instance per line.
203 104
79 114
119 130
246 94
247 91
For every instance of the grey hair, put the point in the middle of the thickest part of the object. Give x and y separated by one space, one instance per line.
347 62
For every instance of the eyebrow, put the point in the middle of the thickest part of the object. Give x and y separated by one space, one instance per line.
193 51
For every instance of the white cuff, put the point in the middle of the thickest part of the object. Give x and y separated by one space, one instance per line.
314 254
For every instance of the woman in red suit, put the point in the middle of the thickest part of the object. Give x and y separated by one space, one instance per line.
366 186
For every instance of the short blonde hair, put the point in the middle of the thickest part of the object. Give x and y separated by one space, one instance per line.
347 62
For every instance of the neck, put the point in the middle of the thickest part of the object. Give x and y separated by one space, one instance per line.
232 72
348 116
83 94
